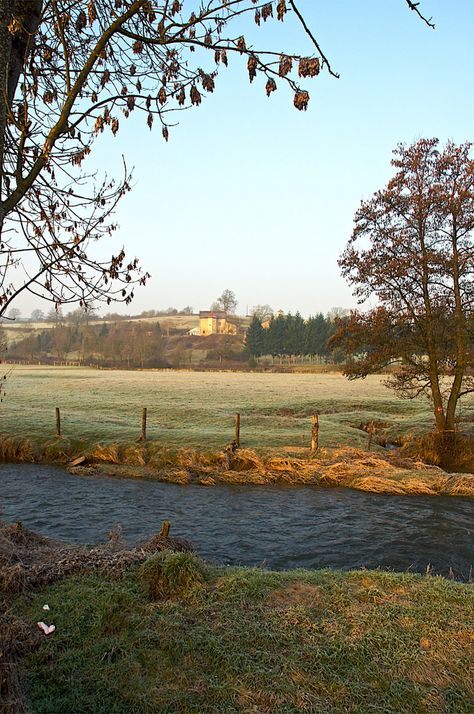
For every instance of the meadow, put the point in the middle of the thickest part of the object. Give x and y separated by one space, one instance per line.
242 640
196 409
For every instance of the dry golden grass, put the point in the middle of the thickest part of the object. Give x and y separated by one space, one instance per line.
377 472
105 452
350 468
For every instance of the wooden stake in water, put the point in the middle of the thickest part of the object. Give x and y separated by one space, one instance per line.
58 422
237 429
314 432
143 434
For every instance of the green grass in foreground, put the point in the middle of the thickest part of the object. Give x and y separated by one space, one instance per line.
255 641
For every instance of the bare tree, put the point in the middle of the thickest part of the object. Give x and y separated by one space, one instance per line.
227 302
37 315
262 312
3 371
14 314
71 70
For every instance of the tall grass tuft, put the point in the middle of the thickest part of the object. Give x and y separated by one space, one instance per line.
453 453
169 575
18 448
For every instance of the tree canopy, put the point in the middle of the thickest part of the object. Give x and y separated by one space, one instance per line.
413 250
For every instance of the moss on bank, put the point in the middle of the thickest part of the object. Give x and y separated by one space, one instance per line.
247 640
378 471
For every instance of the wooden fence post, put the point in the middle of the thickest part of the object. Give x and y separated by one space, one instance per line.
165 529
237 429
58 422
143 434
371 436
314 432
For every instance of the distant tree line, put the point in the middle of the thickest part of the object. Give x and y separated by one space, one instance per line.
291 335
122 344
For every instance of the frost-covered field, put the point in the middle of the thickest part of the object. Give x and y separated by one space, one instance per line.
197 408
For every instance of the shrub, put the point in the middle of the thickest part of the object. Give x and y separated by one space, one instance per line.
167 575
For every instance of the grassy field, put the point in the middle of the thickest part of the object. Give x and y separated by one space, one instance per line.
243 640
197 409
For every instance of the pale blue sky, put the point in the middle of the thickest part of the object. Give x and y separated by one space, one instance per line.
251 195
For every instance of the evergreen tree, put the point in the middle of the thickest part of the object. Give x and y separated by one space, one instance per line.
276 336
255 338
295 335
316 335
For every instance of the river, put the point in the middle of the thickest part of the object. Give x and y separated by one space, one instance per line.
274 527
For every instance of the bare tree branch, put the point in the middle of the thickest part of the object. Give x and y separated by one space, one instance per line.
414 6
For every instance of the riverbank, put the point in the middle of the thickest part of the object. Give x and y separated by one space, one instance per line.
380 471
177 634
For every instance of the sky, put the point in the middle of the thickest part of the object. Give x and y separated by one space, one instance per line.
251 195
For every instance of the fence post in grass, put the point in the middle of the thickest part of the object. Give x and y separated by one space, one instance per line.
371 436
314 432
143 434
58 422
237 429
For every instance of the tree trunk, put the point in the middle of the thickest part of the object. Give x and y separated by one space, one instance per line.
16 40
430 340
460 331
6 14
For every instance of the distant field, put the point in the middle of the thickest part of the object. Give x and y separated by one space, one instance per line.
197 409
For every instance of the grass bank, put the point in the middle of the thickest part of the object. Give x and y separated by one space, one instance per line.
379 471
177 635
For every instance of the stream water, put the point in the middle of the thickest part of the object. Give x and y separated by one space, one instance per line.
277 527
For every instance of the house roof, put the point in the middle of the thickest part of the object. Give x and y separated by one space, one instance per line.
218 314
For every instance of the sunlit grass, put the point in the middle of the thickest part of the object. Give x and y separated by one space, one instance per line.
254 641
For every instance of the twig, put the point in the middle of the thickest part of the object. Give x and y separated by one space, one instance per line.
414 6
313 39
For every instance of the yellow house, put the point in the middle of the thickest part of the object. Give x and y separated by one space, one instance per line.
214 322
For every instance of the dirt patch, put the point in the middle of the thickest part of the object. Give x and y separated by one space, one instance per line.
296 593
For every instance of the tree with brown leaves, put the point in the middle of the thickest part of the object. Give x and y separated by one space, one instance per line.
413 249
72 70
